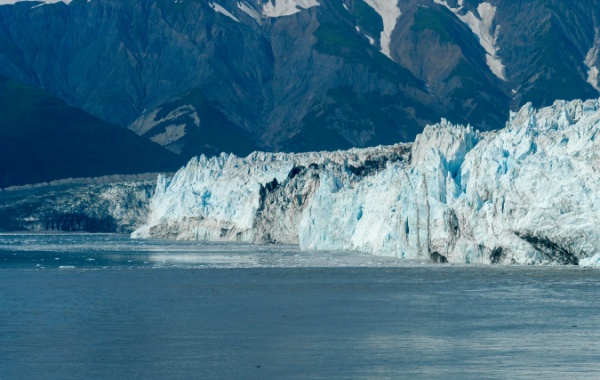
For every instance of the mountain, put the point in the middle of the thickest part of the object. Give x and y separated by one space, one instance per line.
525 194
42 138
201 77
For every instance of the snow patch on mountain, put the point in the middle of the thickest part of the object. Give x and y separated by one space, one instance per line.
592 61
279 8
249 11
526 194
482 25
389 12
150 120
37 2
171 134
219 9
371 40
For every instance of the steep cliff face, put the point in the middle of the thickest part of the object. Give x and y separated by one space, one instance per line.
199 76
524 194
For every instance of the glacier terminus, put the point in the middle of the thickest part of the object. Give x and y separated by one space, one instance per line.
526 194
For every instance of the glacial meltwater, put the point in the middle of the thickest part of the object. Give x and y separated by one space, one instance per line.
85 306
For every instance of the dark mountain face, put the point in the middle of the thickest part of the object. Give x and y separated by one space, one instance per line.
182 74
42 139
198 76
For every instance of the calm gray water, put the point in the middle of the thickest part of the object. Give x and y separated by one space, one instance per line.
104 307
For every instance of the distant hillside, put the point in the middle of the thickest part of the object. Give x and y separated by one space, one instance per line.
43 138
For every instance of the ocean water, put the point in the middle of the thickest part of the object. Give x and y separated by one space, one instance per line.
105 307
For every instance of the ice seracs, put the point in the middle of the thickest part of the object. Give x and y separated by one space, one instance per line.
225 197
526 194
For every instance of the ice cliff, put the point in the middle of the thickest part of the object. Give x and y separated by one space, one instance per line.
529 193
103 204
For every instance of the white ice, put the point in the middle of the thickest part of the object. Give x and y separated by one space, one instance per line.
591 262
526 194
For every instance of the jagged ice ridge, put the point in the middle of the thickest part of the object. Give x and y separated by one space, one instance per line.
526 194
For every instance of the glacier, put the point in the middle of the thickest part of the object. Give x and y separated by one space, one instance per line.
117 203
525 194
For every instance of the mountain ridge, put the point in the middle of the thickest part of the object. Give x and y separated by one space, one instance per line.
201 77
42 139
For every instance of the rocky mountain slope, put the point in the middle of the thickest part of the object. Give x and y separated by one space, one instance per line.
42 138
200 76
525 194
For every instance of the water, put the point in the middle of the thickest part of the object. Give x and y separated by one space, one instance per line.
105 307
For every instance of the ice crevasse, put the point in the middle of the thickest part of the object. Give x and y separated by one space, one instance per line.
526 194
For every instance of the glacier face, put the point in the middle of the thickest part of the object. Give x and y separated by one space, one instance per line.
525 194
231 198
103 204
